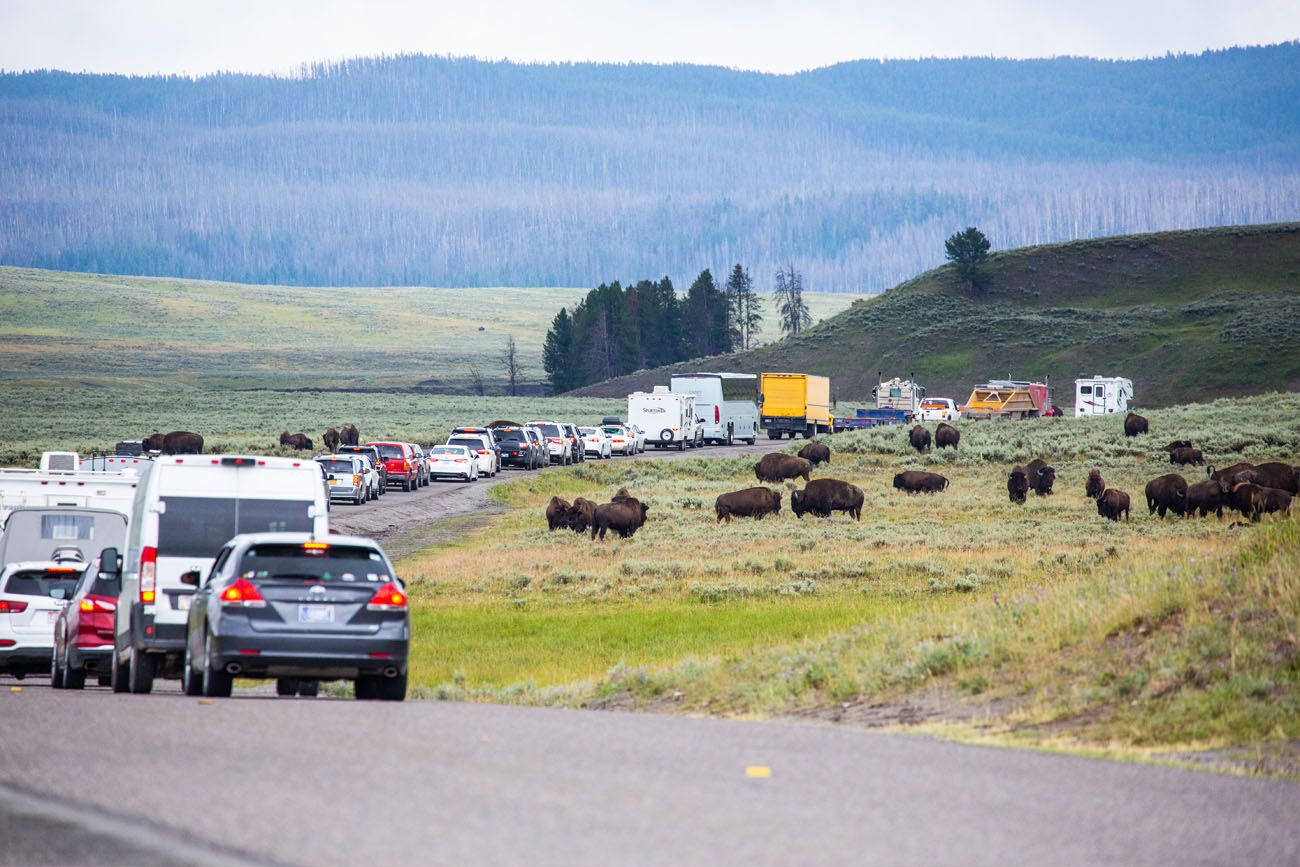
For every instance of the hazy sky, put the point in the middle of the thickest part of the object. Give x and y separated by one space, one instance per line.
144 36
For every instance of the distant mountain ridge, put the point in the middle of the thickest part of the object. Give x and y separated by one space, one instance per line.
442 171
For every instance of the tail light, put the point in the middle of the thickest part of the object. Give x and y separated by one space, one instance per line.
242 593
387 598
148 574
717 415
12 607
356 480
92 604
461 460
482 451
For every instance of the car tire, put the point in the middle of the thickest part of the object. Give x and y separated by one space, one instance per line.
359 500
56 671
309 688
366 688
139 672
216 684
73 678
392 688
105 680
117 669
750 441
287 685
191 682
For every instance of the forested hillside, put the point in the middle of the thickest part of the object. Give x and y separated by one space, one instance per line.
436 171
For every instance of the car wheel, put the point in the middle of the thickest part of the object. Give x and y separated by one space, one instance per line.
392 688
359 500
117 670
216 684
308 688
191 682
73 678
286 685
56 670
139 672
105 680
366 688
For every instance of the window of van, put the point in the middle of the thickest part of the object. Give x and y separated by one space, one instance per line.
199 526
391 453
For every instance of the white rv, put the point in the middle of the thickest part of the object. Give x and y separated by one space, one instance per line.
64 480
668 419
725 403
1102 395
186 509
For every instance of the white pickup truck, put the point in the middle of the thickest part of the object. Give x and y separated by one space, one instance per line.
938 409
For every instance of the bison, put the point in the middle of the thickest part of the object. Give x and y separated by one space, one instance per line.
1273 474
916 481
1134 424
330 438
1253 500
182 442
816 453
1184 455
557 513
1095 484
1167 493
349 435
820 497
749 503
295 441
1017 485
919 437
1179 444
1112 503
624 517
778 467
620 495
1205 497
152 443
581 514
1040 476
1226 472
946 436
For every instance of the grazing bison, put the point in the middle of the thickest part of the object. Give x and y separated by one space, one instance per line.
624 517
749 503
919 437
330 438
153 442
777 467
1113 503
1134 424
296 441
1227 472
1040 476
620 495
946 436
1185 455
816 453
581 514
916 481
1018 485
182 442
1167 493
1179 444
349 435
1205 497
1273 474
1253 500
557 513
820 497
1095 485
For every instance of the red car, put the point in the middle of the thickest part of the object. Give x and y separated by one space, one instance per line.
401 464
83 632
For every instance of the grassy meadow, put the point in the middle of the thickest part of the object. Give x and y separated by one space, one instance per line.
1040 623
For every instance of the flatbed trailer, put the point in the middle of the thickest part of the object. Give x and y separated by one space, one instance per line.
869 418
1008 398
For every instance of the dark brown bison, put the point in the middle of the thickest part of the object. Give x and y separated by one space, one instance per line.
1253 500
620 495
349 435
777 467
1217 474
1134 424
182 442
820 497
330 438
919 437
1018 485
581 514
946 436
1179 444
1040 476
1167 493
1184 455
1273 474
816 453
1205 497
1113 503
749 503
295 441
557 513
1095 484
153 442
624 517
916 481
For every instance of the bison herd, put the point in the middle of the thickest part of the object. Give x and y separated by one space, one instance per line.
180 442
623 514
1252 490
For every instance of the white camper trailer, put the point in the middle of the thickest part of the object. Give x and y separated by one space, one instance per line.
64 480
725 404
1102 395
668 419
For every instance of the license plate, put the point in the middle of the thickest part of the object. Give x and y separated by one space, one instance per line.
51 616
183 603
315 613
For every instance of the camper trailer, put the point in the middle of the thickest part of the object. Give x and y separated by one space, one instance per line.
1102 395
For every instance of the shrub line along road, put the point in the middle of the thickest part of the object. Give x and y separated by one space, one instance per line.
95 778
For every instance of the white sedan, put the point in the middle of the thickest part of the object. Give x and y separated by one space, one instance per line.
621 440
594 442
453 462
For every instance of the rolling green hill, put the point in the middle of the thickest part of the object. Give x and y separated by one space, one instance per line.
1188 316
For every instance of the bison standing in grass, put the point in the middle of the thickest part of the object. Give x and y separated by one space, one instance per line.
1113 503
918 482
946 436
919 437
821 497
1040 476
1273 474
330 438
1167 493
1185 455
624 517
749 503
153 442
1205 497
349 435
581 514
295 441
557 513
1253 500
1095 484
1135 424
816 453
1018 485
182 442
778 467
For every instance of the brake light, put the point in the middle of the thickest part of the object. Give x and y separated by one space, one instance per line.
387 598
62 569
242 593
148 574
356 480
93 603
717 414
482 451
12 607
315 546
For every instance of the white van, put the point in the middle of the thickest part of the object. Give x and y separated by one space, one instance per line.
1102 395
187 507
668 419
725 403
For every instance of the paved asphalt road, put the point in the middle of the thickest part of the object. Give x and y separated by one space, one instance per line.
96 778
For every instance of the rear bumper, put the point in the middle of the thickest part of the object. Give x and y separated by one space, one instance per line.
90 658
345 492
24 660
312 655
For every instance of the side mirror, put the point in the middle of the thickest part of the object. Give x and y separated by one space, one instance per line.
110 563
191 578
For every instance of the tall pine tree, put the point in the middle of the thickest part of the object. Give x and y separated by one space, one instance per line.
746 309
556 353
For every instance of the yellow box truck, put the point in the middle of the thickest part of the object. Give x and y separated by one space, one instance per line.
793 404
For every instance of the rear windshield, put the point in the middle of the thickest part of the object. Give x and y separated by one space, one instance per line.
551 430
513 436
391 452
38 582
459 451
199 526
613 430
467 443
337 466
334 563
586 430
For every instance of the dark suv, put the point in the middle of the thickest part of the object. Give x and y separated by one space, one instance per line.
375 459
517 449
